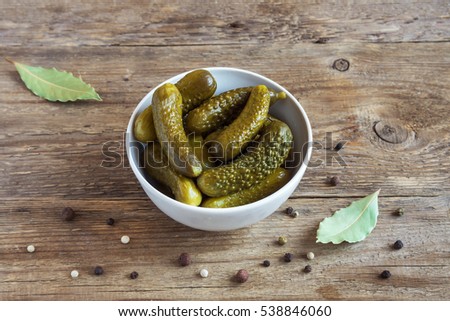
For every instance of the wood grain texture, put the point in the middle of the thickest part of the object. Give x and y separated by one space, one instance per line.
185 23
391 108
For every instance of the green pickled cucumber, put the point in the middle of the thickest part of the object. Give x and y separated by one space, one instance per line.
158 168
144 131
197 143
271 184
222 109
195 88
233 139
168 122
252 167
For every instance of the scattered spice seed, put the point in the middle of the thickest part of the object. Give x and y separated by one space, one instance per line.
335 180
310 255
204 273
125 239
68 214
31 248
110 221
266 263
98 270
385 274
307 269
288 257
134 275
74 274
398 245
282 240
289 210
184 259
400 212
241 276
295 214
339 146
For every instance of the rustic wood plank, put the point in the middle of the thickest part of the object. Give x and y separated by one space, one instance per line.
347 271
404 84
162 23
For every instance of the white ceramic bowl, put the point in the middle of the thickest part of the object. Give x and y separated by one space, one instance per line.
288 110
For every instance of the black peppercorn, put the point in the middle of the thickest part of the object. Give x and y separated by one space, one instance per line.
335 180
339 146
184 259
68 214
288 257
398 245
289 210
98 270
266 263
241 276
307 269
385 274
134 275
110 221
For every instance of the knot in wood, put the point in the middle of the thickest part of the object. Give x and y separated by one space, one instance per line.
341 64
390 132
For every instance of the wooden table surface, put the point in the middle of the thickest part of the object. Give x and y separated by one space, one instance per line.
391 107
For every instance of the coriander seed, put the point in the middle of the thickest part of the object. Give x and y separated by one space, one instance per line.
310 255
241 276
67 214
398 245
295 214
288 257
282 240
31 248
184 259
266 263
134 275
385 274
400 212
307 269
74 274
98 270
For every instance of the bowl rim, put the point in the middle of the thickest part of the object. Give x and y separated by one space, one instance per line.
217 211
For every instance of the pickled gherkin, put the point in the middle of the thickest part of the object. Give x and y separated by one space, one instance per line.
222 109
168 121
157 166
253 167
269 185
233 139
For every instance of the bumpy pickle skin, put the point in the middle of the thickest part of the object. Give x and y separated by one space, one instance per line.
270 185
233 139
158 168
253 167
221 110
196 87
144 131
168 121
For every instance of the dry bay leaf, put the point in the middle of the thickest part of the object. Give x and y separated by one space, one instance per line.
351 224
53 84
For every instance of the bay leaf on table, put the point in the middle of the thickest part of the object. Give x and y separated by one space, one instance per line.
53 84
351 224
